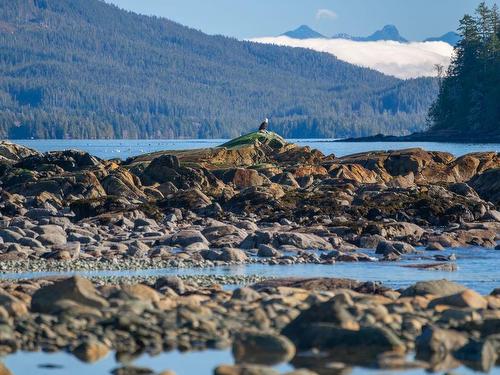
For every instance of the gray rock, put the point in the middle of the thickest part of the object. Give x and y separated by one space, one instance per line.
209 254
329 337
90 351
39 213
50 234
463 189
143 222
77 237
30 242
72 248
262 348
9 235
246 294
252 241
266 251
175 283
75 289
439 342
481 354
394 247
233 255
434 246
370 241
492 215
438 288
132 370
185 238
138 249
303 241
245 369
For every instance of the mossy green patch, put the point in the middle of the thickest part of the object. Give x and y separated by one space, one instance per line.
269 138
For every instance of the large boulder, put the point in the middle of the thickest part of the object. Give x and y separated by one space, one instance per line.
75 289
242 178
302 241
465 299
394 247
233 255
322 284
193 199
51 234
361 346
14 152
91 351
433 287
404 230
354 172
188 237
122 183
167 168
262 348
487 185
438 342
333 312
69 160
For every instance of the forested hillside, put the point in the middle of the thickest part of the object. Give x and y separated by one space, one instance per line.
469 99
86 69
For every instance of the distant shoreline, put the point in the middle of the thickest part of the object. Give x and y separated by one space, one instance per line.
439 137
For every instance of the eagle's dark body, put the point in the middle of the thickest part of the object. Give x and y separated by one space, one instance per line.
263 126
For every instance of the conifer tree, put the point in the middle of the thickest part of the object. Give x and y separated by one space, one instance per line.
469 96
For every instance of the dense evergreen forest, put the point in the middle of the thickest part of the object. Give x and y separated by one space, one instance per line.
87 69
469 96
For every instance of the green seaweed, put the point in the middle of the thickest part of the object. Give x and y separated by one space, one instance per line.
269 138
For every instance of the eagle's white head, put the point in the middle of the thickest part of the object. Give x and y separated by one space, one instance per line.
266 120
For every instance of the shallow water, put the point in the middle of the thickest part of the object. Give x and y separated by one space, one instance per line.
477 269
124 148
192 363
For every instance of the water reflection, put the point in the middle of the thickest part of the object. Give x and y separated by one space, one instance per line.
204 363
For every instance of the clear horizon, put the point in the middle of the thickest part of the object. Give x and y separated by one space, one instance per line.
242 19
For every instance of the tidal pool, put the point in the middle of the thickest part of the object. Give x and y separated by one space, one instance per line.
478 268
192 363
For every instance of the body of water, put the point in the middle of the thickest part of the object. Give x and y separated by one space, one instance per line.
191 363
122 149
477 269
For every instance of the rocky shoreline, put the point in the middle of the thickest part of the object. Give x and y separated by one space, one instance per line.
266 198
310 322
254 200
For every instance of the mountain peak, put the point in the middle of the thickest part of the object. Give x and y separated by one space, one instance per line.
388 32
303 32
452 38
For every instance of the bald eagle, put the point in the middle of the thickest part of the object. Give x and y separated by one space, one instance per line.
263 126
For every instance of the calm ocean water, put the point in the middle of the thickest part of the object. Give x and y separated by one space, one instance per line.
110 149
477 269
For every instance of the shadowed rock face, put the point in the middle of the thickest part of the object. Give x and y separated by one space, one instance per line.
12 152
487 185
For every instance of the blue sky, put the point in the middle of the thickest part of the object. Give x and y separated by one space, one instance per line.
416 19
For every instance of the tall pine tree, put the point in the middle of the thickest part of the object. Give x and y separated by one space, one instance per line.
469 97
